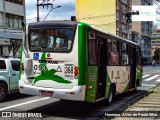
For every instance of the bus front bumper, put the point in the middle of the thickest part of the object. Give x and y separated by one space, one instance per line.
76 93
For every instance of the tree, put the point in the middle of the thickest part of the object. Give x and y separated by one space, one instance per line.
156 54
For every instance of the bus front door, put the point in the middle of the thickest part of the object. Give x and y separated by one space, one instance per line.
101 81
133 68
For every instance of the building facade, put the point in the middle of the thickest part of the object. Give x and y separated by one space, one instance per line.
101 14
155 42
108 15
12 13
142 32
123 29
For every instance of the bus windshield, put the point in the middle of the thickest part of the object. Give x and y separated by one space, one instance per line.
51 39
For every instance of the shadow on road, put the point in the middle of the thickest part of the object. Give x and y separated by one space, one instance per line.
74 109
16 96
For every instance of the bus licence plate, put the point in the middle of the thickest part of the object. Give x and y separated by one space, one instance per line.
46 93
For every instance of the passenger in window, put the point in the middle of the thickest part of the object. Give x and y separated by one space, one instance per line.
42 41
114 46
124 59
55 45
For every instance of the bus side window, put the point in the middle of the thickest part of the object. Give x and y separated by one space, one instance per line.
42 41
50 41
92 48
124 54
113 52
138 57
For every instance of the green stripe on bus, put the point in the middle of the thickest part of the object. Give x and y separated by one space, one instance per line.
20 72
91 85
139 75
82 56
49 74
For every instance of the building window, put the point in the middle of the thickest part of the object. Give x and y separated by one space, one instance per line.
1 16
13 21
15 1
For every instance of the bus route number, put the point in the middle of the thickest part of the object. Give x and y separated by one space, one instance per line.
40 67
92 76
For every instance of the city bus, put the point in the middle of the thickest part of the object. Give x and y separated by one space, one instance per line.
71 60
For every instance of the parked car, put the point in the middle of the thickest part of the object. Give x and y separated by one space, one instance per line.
9 76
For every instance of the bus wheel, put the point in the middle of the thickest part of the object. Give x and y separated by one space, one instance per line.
3 91
111 95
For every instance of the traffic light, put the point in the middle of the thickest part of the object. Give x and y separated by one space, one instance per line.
128 17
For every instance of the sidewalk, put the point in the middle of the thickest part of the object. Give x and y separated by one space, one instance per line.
147 108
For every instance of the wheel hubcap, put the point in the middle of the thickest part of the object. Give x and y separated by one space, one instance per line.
110 96
1 92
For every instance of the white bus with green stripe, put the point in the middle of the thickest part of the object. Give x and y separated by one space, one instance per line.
75 61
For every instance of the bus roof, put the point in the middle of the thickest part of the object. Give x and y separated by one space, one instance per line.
112 35
68 23
57 23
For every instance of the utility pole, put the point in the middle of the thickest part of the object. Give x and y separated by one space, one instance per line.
4 16
37 10
43 4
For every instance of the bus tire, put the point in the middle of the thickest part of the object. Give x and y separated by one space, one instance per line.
3 92
111 95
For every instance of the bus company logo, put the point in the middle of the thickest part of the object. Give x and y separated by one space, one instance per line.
143 13
36 56
48 55
123 73
6 114
135 12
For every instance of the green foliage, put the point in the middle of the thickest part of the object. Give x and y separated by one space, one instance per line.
156 54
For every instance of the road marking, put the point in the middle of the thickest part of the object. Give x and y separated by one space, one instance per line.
158 80
145 75
148 85
148 79
24 103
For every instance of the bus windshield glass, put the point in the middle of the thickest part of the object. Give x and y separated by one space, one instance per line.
51 39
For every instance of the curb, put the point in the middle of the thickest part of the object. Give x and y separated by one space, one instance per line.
138 97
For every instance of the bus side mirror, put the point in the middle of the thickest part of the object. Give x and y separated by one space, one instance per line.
23 26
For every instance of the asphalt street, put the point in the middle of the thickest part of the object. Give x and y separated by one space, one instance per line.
52 108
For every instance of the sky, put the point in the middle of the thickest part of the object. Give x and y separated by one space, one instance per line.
64 12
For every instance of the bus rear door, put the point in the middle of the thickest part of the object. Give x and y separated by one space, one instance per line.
133 68
101 81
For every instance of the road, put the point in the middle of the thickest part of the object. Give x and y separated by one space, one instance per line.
151 77
58 109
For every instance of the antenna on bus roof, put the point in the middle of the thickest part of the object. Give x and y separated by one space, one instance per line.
73 18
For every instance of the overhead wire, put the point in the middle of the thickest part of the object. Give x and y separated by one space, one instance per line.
84 13
98 18
91 18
